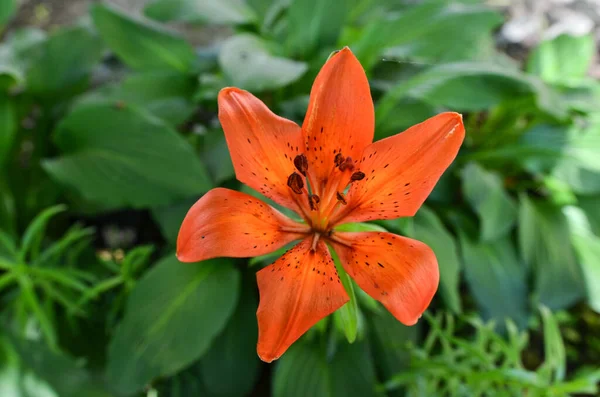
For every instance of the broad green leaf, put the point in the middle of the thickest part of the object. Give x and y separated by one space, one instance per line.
314 24
8 8
172 316
389 339
302 371
61 62
234 12
566 152
141 45
61 372
430 31
11 73
170 217
545 246
231 366
589 204
216 156
496 278
428 228
352 371
587 247
469 86
564 59
166 95
484 190
248 63
554 349
122 156
8 129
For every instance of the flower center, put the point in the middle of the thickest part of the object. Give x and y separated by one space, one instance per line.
318 199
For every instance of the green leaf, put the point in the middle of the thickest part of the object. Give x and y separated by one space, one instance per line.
587 247
360 227
589 204
469 86
564 59
8 129
247 62
390 340
347 316
422 32
352 371
234 12
170 217
121 156
544 245
554 348
428 228
302 371
216 155
8 9
484 190
11 73
61 62
496 278
172 316
166 95
61 372
314 24
233 356
35 231
141 45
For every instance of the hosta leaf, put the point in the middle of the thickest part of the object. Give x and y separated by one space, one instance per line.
248 63
141 45
121 156
172 316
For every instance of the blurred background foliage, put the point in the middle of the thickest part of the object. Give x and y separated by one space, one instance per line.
108 133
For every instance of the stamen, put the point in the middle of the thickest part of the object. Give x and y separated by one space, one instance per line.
357 176
295 183
339 159
301 163
348 164
313 201
341 197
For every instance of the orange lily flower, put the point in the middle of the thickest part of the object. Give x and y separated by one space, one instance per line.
330 173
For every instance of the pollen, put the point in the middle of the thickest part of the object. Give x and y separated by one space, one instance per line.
295 183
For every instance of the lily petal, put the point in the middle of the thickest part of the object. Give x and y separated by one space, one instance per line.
399 272
340 115
296 291
262 145
401 171
229 223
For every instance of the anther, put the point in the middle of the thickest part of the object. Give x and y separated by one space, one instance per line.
295 183
313 202
339 159
357 176
348 164
301 163
341 197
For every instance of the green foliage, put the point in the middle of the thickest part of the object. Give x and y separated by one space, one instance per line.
247 63
109 133
122 156
449 364
171 318
140 45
